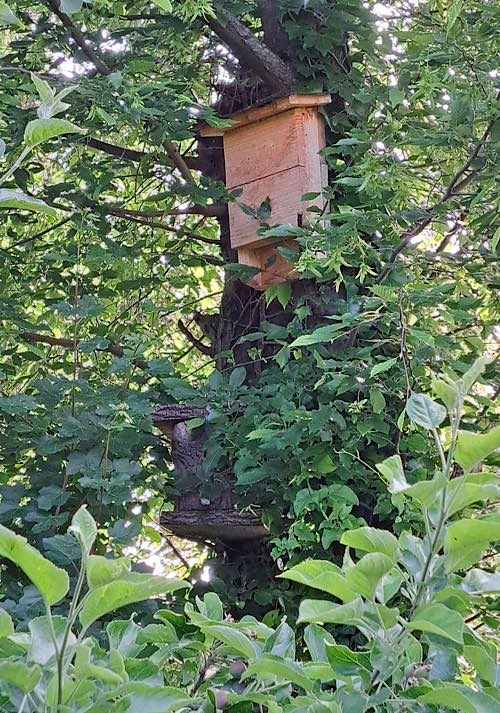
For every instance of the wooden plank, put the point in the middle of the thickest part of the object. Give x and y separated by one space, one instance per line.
257 113
274 268
260 149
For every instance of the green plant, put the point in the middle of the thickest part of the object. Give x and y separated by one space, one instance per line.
421 604
53 668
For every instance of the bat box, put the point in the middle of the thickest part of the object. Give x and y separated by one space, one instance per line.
271 153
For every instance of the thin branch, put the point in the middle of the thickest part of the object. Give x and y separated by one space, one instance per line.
457 183
79 38
191 162
40 234
203 348
178 161
115 349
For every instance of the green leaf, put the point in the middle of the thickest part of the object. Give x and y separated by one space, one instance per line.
392 470
459 698
479 582
483 656
472 448
377 400
84 668
365 575
234 639
396 96
238 376
165 5
101 570
323 575
346 662
321 334
20 675
283 670
453 13
317 639
134 588
318 611
465 541
20 201
42 648
51 581
447 391
438 619
474 372
40 130
371 539
471 488
6 624
84 529
7 17
421 409
383 366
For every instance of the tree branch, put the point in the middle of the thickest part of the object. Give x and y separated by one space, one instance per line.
114 349
203 348
191 162
276 74
457 183
79 38
178 161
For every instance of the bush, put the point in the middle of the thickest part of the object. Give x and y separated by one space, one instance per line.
420 603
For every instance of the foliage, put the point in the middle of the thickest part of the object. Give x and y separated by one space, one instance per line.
426 638
100 260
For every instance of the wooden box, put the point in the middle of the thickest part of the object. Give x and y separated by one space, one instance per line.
272 152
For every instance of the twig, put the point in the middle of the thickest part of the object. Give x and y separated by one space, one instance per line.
115 349
458 181
79 38
178 161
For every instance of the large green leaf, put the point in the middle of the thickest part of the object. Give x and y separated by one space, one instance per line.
459 698
365 575
20 201
472 448
20 675
40 130
319 611
321 334
471 488
134 588
101 570
346 662
438 619
371 539
235 639
323 575
421 409
7 17
283 670
465 541
6 624
51 581
478 581
43 632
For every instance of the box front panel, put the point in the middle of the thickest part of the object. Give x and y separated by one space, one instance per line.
263 148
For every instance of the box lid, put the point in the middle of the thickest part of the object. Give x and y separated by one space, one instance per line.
264 111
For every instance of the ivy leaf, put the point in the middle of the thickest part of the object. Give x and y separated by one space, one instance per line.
20 201
438 619
472 448
40 130
422 410
51 581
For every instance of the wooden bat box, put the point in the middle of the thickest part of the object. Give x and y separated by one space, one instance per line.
272 152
